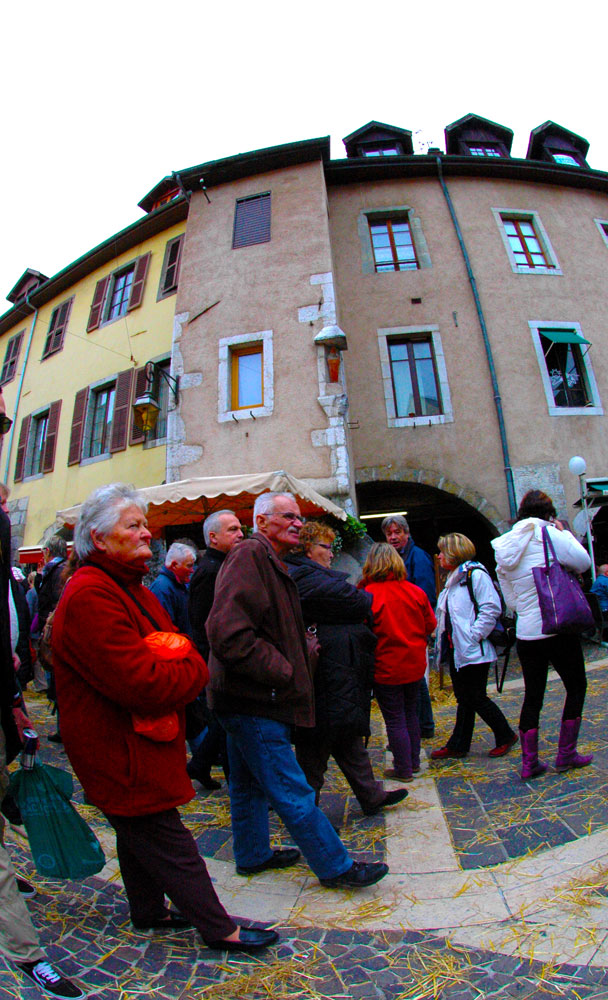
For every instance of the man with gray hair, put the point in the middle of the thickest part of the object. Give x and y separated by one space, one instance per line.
261 686
420 570
171 584
221 531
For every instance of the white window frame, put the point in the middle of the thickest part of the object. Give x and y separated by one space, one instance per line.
226 345
391 332
595 409
35 416
94 388
600 223
549 252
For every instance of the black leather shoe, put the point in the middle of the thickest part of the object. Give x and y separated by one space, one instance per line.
358 876
55 738
390 799
25 888
280 858
250 939
172 921
204 779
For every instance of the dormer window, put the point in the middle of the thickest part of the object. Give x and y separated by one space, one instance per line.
557 145
381 149
485 150
475 136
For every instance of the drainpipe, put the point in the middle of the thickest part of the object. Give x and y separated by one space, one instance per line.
19 388
486 341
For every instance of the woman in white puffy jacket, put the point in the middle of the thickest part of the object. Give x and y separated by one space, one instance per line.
463 629
517 553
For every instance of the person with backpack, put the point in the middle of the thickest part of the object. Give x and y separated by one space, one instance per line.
467 612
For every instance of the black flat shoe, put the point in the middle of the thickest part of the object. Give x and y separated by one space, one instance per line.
280 858
358 876
251 939
169 922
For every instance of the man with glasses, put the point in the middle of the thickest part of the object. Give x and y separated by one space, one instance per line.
261 686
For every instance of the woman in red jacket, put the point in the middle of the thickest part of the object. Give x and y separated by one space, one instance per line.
403 620
122 719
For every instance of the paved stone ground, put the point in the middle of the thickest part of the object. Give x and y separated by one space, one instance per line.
492 817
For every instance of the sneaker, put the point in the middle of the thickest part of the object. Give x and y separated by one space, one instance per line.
25 888
358 876
51 982
278 859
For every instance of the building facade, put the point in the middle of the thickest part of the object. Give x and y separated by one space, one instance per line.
411 332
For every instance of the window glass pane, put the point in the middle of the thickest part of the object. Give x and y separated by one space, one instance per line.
427 387
36 442
565 158
405 405
249 377
566 373
101 425
119 298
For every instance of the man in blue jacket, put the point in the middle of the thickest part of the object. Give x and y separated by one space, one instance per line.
420 570
171 583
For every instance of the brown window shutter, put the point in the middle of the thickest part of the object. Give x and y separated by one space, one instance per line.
11 358
170 273
139 280
122 407
97 304
21 447
251 221
139 387
80 409
50 445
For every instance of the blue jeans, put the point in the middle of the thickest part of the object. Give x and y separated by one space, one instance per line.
263 770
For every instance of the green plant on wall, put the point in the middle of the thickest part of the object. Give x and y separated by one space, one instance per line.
348 532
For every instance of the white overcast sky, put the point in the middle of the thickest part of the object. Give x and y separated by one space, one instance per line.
100 101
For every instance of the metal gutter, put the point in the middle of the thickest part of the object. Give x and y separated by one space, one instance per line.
486 340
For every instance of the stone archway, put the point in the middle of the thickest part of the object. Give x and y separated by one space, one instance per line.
435 505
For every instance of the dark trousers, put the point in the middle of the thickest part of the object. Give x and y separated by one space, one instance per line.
469 685
158 856
211 750
424 709
397 703
565 655
352 758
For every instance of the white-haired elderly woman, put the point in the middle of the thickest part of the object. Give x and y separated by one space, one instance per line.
111 678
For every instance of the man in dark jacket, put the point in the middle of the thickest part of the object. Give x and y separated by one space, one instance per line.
50 583
261 685
171 584
221 530
420 570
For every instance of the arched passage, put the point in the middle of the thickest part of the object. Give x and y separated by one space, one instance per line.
433 508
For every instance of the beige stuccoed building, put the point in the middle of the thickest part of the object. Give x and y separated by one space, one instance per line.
468 287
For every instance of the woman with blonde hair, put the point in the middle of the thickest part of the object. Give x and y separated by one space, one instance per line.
403 620
467 610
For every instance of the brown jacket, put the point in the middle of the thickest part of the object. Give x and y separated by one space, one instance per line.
258 660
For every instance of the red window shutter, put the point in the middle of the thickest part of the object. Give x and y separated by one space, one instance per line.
139 280
21 447
50 445
11 358
251 221
122 407
97 304
80 409
139 387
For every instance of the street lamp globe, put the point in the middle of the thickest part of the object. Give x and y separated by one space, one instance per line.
577 465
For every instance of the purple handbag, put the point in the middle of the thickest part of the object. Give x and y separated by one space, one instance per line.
563 605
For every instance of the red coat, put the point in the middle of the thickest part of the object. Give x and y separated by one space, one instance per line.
104 672
403 618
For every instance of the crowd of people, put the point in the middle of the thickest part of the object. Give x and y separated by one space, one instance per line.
265 660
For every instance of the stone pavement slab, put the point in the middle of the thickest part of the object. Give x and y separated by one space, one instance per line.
497 888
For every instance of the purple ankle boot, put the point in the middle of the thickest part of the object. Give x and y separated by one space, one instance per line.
531 765
567 756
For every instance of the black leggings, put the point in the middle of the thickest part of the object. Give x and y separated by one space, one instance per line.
565 655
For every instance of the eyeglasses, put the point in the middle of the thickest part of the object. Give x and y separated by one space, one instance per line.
324 545
5 423
288 516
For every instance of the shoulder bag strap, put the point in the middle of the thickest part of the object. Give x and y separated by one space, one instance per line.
548 547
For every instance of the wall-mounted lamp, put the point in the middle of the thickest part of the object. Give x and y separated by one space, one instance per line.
146 407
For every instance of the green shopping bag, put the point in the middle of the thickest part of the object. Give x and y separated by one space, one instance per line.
62 844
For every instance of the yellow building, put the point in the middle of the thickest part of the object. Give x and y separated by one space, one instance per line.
74 351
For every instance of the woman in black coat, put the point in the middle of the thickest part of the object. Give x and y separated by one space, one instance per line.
344 675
